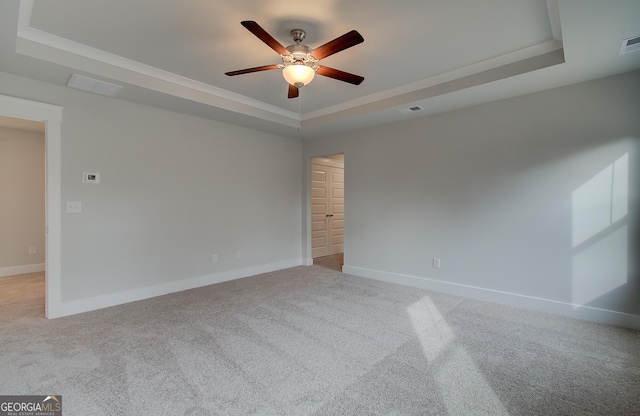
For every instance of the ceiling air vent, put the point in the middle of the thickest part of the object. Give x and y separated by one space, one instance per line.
630 45
413 109
93 85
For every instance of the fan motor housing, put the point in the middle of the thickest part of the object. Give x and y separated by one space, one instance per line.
300 54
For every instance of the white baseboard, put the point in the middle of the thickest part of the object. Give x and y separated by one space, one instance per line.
29 268
583 312
105 301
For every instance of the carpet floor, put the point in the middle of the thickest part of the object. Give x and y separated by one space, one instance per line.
313 341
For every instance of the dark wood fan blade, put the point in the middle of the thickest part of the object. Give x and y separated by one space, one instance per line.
339 44
340 75
262 34
293 91
250 70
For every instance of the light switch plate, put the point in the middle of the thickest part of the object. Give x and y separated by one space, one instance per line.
74 207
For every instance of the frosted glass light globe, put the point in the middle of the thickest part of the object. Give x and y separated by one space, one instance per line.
298 74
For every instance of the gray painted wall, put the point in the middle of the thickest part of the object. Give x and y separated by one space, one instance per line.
534 196
174 190
22 198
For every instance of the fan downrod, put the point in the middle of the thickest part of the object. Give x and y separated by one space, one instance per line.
298 35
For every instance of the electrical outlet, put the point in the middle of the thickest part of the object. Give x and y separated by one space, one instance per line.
214 258
33 251
436 263
238 254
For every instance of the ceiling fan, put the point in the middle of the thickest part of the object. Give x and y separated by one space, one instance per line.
299 62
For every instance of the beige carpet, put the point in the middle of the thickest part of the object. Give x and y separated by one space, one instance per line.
22 295
311 341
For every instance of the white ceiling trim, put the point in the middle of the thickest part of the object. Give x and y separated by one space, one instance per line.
51 48
424 85
46 46
553 8
42 45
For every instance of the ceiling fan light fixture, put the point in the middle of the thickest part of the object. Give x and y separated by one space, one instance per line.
299 62
298 74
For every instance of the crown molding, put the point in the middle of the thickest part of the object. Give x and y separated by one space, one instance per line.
80 57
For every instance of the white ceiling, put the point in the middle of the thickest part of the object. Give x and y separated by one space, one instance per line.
437 54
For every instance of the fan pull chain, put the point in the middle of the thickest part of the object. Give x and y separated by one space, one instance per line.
299 110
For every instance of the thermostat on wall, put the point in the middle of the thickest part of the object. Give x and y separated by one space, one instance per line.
90 177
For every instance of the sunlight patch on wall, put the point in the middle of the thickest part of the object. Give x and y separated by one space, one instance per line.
601 201
600 268
599 236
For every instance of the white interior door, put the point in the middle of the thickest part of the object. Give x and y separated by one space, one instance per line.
336 210
327 206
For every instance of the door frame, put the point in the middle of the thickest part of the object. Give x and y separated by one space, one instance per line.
51 115
307 259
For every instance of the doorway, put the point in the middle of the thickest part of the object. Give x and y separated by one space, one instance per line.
327 211
22 213
51 115
22 197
